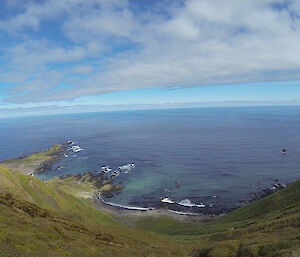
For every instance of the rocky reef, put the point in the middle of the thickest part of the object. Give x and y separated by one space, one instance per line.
99 181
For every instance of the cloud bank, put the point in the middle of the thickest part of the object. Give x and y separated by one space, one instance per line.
56 109
62 50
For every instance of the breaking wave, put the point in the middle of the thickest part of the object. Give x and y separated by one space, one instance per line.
185 203
133 208
167 200
188 203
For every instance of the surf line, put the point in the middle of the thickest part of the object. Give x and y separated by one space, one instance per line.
132 208
135 208
184 213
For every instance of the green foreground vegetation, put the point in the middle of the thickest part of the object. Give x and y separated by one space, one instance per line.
37 219
58 218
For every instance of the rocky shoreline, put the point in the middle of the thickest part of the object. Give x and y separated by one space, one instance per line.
101 182
55 157
38 162
254 196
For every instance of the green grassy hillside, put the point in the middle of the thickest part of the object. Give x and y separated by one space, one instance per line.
47 196
38 219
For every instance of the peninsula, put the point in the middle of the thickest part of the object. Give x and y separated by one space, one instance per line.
36 162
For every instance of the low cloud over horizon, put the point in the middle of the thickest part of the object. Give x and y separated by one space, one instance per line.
59 51
73 109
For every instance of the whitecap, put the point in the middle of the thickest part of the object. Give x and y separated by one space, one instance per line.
167 200
134 208
188 203
127 168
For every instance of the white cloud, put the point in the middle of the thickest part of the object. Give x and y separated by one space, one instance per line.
82 69
114 45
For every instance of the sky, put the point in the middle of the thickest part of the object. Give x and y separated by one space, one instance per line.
91 55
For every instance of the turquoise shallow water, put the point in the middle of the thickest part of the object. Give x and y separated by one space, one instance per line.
219 155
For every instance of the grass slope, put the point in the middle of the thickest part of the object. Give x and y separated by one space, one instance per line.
46 195
38 219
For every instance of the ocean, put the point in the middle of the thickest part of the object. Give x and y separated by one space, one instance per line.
210 156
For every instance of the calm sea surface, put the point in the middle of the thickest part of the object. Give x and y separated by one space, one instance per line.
219 155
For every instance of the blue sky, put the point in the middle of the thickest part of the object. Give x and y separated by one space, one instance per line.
84 53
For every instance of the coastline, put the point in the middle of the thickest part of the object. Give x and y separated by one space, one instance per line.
90 185
128 215
123 211
37 162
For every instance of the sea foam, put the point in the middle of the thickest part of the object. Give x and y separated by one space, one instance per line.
188 203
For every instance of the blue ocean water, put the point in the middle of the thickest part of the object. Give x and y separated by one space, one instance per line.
219 155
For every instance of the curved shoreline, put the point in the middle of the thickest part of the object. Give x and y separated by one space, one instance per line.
122 211
124 207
